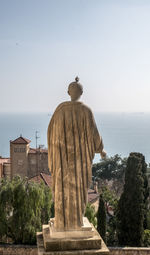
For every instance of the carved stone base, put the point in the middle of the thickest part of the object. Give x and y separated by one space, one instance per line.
61 243
86 231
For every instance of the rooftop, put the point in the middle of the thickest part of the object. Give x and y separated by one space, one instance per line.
4 160
33 150
92 196
42 177
21 140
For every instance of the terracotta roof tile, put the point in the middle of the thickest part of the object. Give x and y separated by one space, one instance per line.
42 150
33 150
91 191
92 196
4 160
21 140
46 178
36 179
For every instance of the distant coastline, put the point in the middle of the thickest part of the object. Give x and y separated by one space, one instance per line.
122 132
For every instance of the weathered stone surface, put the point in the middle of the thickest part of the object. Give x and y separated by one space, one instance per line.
73 140
78 252
42 251
6 249
129 251
18 249
86 231
70 243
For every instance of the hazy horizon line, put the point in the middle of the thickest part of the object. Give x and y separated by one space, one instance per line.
51 112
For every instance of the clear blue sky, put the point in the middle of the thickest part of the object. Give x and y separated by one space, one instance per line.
44 44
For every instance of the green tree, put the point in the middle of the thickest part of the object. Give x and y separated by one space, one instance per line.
147 237
148 219
46 210
101 218
90 214
112 239
52 210
145 193
131 206
109 197
24 207
110 201
110 168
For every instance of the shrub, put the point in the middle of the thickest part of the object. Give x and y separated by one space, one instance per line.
147 237
90 214
24 207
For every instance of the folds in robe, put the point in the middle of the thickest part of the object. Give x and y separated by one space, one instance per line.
73 139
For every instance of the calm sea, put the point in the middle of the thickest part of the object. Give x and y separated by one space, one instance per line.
122 132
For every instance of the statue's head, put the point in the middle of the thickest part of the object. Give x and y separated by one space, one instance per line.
75 90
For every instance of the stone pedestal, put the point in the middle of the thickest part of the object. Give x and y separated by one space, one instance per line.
85 241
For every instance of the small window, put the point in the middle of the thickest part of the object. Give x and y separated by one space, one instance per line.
19 150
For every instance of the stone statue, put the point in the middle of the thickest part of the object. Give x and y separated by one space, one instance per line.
73 139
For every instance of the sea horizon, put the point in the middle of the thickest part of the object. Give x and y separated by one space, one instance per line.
122 132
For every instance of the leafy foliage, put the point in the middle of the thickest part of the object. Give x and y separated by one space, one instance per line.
101 218
133 201
24 207
112 239
90 214
52 210
109 197
110 201
110 168
148 219
147 237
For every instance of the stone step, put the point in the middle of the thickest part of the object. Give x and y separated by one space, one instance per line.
63 244
77 252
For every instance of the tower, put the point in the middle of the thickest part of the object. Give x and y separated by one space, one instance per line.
19 149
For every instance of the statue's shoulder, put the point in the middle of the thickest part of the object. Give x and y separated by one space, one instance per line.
62 105
86 108
69 104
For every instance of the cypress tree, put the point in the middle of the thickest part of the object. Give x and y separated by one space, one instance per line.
101 218
146 193
132 203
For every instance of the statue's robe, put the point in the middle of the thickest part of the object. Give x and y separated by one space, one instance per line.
73 139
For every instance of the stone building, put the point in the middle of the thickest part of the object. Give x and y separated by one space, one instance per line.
4 167
24 161
19 150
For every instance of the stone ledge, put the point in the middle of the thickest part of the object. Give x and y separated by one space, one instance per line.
10 245
12 249
41 251
66 244
73 252
129 250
